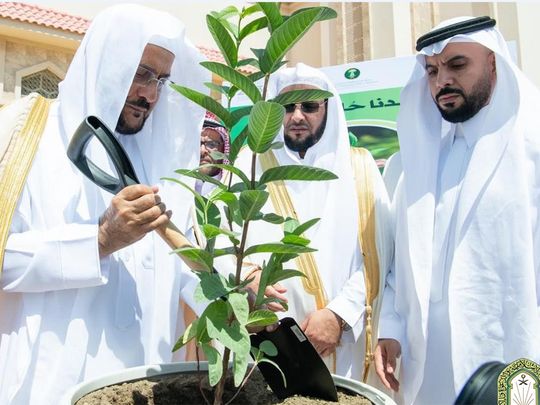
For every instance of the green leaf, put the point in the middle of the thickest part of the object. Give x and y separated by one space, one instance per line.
296 172
295 240
199 176
250 10
273 218
240 306
220 89
240 365
259 54
261 317
211 231
199 256
223 40
290 32
206 102
238 188
290 225
278 276
234 77
198 197
240 113
273 15
277 145
300 229
298 96
227 12
268 300
248 61
256 75
268 348
225 251
233 169
215 364
223 195
264 124
277 248
267 360
253 26
231 335
216 155
251 202
237 144
190 333
211 287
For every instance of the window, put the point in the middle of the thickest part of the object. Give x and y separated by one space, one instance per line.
43 82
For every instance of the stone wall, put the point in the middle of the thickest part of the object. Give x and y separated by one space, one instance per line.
20 55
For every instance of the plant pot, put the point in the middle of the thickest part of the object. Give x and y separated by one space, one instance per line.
136 373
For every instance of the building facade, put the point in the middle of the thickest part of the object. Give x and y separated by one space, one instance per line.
38 43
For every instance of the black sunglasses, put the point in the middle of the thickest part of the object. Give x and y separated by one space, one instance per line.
307 107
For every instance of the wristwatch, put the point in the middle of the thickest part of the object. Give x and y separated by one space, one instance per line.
344 326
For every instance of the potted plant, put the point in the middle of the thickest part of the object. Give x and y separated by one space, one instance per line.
231 313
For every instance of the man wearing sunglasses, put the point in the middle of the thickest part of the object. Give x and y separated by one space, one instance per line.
329 302
304 123
86 288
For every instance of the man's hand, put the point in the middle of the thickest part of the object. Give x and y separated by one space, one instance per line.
275 291
133 212
323 329
386 353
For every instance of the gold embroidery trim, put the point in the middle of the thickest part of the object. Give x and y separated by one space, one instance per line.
366 235
305 262
18 161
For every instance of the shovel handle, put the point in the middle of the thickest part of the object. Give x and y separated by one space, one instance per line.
177 240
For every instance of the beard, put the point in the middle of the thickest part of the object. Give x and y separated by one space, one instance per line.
123 127
302 145
472 103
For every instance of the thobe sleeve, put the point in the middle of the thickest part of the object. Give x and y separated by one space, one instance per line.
63 257
390 324
349 303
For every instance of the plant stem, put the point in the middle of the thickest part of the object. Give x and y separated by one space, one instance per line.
265 88
253 163
246 378
220 387
240 253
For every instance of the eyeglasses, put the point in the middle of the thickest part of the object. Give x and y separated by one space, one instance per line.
212 145
145 77
307 107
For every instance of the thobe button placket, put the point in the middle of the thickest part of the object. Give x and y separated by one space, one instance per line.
449 189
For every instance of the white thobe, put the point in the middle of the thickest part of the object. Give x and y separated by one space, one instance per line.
485 306
66 315
341 276
438 387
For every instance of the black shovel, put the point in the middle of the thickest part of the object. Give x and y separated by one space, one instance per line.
305 372
93 127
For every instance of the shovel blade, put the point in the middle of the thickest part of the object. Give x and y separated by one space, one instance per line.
305 371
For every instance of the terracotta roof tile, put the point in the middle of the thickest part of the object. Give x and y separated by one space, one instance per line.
55 19
43 16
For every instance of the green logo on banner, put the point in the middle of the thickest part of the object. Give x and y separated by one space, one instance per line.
519 383
352 73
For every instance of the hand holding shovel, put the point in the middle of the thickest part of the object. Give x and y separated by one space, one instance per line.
125 192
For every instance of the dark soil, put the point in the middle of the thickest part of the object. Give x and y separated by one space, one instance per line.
175 389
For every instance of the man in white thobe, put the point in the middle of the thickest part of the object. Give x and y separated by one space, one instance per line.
329 302
465 288
86 288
